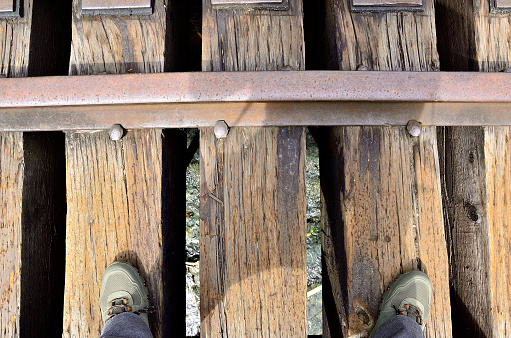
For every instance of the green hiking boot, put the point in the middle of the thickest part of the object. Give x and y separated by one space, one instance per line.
409 295
123 290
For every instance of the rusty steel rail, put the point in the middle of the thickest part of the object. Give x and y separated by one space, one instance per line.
312 98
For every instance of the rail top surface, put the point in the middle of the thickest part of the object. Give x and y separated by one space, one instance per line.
264 86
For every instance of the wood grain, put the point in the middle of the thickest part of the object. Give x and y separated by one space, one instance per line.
252 247
11 169
389 217
381 41
121 198
14 52
117 44
498 188
476 177
114 213
479 40
382 207
491 33
253 264
476 183
467 227
31 228
238 40
14 43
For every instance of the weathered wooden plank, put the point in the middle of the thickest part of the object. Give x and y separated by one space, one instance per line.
381 198
252 257
381 41
131 187
382 206
13 63
114 213
498 188
476 181
11 168
476 170
33 203
479 39
237 40
253 264
117 45
491 33
14 38
467 227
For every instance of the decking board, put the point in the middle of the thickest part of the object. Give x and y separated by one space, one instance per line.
11 170
382 206
114 213
476 166
123 196
14 63
253 263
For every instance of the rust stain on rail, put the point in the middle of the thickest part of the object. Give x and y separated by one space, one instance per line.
178 100
255 87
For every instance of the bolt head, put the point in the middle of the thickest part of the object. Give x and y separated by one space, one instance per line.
116 132
414 128
221 129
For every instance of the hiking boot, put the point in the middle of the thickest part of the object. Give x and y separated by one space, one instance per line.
123 290
409 295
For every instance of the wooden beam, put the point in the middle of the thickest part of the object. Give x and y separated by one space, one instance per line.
11 168
32 228
14 64
476 166
382 205
122 202
381 41
253 263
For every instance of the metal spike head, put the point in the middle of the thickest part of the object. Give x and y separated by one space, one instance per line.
414 128
116 132
221 129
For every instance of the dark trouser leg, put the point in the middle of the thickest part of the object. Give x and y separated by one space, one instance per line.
126 325
399 327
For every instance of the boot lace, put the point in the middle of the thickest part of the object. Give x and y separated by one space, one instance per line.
120 305
410 311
